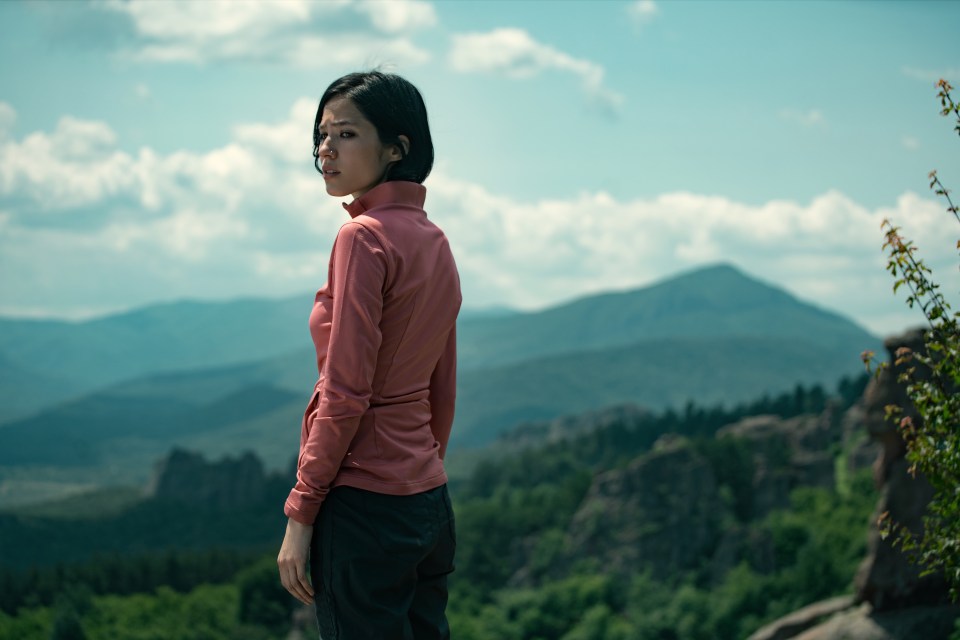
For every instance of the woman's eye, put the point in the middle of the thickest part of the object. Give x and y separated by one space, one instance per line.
321 137
346 134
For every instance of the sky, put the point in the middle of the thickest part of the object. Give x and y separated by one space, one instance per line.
154 151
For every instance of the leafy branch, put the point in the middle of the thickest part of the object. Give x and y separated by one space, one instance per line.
947 104
933 440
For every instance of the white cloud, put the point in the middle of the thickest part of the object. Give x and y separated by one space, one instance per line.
516 54
532 254
302 266
951 74
910 143
75 165
252 218
290 140
808 118
398 16
278 31
643 11
212 19
117 230
213 29
359 50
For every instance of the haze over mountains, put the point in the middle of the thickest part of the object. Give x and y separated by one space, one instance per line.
98 402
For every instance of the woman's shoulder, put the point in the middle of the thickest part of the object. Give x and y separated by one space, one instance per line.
362 231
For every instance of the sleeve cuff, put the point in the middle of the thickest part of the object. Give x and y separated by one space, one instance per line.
301 515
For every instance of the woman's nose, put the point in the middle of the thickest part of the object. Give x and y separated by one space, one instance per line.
324 150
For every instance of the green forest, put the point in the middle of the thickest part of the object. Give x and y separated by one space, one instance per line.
540 555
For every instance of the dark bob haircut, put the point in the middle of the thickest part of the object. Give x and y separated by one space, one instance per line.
395 107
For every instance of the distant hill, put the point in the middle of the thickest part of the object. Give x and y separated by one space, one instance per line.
43 362
222 378
115 434
23 389
169 337
656 374
713 302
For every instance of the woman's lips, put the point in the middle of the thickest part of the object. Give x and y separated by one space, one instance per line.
330 173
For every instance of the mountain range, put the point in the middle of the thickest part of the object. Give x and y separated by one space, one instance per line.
97 402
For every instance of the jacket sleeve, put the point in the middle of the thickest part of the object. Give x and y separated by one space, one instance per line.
443 392
357 275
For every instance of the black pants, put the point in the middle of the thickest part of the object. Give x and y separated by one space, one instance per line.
379 565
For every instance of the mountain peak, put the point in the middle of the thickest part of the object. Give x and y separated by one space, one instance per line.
721 281
716 301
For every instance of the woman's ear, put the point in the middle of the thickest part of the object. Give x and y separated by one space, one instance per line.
398 150
403 142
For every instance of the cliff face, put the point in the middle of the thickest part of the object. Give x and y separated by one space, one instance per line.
671 511
787 454
892 600
230 483
662 513
886 579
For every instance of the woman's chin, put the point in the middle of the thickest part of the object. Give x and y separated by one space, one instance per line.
333 190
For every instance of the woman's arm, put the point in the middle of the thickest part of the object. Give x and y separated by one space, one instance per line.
357 273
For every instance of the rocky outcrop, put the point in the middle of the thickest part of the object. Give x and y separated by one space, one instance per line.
861 622
187 477
892 601
661 513
533 434
788 454
799 621
666 513
887 579
913 623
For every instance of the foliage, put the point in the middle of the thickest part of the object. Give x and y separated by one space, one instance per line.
622 440
206 613
734 467
120 574
263 600
513 514
933 441
817 544
515 577
72 603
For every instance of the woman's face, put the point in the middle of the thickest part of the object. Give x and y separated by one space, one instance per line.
352 158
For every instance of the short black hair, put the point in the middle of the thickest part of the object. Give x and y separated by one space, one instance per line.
395 107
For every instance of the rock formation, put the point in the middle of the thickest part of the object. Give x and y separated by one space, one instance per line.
665 513
891 601
886 579
661 513
788 454
187 477
533 434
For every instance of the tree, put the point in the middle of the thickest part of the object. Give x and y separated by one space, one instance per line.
933 385
66 626
263 600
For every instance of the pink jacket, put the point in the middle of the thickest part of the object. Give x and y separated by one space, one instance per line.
384 327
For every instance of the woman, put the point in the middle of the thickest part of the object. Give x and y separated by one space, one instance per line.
370 509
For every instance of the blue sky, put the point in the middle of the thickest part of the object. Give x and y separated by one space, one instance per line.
153 151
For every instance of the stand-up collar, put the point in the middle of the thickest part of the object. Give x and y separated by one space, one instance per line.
395 192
